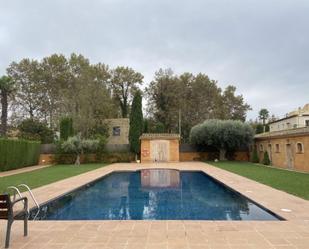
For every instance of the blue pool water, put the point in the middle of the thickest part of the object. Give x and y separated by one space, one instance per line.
153 195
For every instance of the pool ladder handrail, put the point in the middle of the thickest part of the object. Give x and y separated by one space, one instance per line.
20 195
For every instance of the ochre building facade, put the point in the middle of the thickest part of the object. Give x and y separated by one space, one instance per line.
287 149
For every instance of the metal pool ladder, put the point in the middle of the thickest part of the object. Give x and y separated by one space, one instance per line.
17 191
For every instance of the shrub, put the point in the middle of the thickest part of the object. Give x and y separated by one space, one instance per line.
254 156
32 129
16 154
266 160
66 128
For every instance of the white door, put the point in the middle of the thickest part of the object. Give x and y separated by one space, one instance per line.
159 150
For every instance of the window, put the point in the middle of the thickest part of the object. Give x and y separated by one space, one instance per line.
277 148
261 148
307 122
116 131
299 148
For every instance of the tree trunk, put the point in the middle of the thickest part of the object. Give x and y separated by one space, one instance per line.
4 113
77 161
124 109
222 154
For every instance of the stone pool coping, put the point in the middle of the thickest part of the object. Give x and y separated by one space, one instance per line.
292 233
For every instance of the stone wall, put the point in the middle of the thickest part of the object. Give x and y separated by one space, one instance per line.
201 156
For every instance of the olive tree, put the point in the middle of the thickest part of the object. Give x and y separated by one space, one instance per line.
78 146
224 135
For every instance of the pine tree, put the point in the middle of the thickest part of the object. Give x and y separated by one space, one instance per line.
136 123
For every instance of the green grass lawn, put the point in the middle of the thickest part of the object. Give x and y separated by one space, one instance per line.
291 182
45 176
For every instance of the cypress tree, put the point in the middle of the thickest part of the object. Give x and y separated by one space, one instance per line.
254 156
136 123
266 160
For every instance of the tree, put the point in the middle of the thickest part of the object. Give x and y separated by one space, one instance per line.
254 156
146 126
224 135
163 99
66 128
152 126
77 145
124 83
55 74
259 128
266 160
57 86
263 115
6 89
33 129
233 106
191 99
27 77
136 123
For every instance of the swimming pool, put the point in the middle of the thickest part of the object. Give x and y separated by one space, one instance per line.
153 194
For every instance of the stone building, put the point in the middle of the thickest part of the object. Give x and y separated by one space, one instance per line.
295 119
287 142
287 149
118 139
161 147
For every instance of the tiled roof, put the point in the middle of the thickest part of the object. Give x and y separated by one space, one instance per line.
168 136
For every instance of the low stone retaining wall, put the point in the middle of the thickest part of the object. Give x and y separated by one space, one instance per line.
203 156
47 159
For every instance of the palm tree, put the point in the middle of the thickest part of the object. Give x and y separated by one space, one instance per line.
263 115
6 89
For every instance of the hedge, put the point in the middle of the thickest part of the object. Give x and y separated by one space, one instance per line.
16 154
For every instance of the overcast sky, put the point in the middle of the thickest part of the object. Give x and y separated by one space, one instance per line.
260 46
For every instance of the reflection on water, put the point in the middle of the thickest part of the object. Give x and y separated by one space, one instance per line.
160 178
154 195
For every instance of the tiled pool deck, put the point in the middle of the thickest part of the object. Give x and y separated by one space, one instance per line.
292 233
